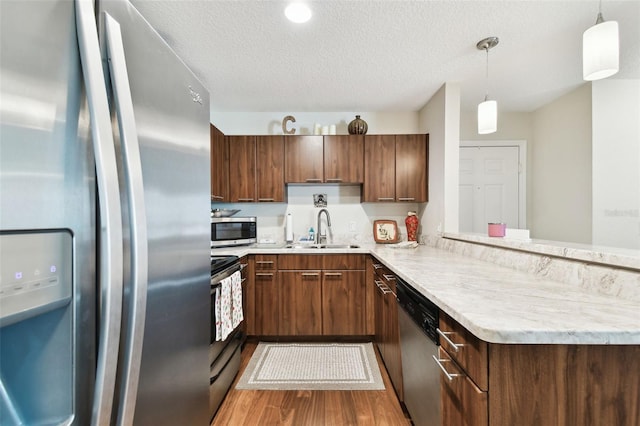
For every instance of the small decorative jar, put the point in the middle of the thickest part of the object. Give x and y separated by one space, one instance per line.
358 126
412 226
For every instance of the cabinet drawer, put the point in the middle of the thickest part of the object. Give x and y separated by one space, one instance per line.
469 352
266 262
462 402
299 261
343 261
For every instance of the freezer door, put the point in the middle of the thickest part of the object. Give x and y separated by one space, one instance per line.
171 111
47 182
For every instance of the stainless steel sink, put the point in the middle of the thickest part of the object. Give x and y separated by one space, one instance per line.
322 246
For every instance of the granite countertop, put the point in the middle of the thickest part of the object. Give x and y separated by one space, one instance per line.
498 304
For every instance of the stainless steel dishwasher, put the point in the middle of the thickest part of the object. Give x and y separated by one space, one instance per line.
418 320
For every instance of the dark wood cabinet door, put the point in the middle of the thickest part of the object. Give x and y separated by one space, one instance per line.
300 307
344 159
304 159
393 358
219 166
242 168
343 298
270 169
379 168
411 168
266 303
461 401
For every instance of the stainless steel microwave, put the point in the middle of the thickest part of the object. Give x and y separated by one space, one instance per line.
233 231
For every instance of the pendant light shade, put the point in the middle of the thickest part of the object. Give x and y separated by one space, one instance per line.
487 110
600 50
487 117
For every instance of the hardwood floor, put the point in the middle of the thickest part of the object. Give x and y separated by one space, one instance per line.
309 408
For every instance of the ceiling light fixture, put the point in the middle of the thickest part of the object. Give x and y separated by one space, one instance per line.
298 12
487 110
600 49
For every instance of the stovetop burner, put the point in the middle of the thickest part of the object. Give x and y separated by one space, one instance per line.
219 263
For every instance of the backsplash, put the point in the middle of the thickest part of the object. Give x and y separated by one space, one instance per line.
351 220
619 282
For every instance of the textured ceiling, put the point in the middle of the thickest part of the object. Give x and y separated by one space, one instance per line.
386 55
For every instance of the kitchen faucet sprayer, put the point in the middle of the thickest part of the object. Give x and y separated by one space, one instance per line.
321 238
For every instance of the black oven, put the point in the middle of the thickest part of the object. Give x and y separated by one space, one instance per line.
224 355
232 231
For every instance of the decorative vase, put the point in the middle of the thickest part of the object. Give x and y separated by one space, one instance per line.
412 226
358 126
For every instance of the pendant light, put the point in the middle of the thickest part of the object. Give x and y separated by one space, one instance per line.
487 110
600 49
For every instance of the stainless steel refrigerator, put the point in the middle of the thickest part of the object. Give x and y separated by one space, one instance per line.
104 220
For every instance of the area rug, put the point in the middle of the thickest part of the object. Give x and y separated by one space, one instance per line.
312 366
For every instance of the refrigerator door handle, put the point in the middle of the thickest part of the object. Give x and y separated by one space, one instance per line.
111 261
132 351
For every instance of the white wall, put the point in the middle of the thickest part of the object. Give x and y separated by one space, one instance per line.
561 165
343 203
440 118
616 173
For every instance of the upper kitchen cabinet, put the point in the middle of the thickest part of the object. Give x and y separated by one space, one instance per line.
270 168
324 159
396 168
256 169
304 159
219 166
344 159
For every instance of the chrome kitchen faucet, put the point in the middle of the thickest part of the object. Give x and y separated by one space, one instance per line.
320 237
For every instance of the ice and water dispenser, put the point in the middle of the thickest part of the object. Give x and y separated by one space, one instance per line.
36 327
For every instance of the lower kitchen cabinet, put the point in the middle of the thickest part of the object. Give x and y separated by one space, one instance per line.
308 295
514 384
387 331
300 303
462 402
266 297
343 303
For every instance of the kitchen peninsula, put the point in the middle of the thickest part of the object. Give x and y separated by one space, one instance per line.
552 352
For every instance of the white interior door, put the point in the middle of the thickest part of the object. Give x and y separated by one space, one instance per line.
489 187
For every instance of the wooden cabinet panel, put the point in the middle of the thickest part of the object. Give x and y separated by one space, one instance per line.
248 296
411 168
344 159
266 295
369 297
392 340
242 168
266 262
267 303
256 168
379 168
300 307
396 168
387 327
270 169
461 401
219 166
304 159
470 353
564 385
342 261
299 261
343 303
